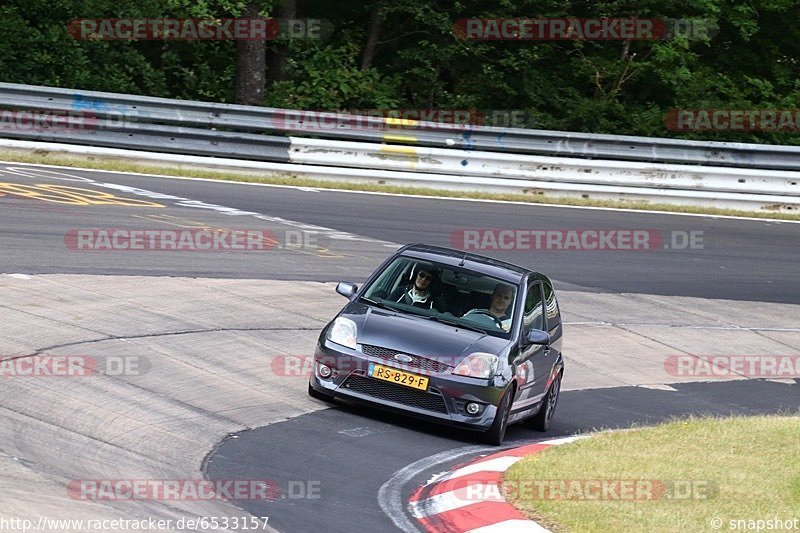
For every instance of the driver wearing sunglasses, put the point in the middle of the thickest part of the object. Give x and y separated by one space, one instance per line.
419 293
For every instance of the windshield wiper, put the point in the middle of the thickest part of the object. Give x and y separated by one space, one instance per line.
456 324
377 304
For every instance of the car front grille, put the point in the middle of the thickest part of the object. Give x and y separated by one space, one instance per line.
423 363
395 393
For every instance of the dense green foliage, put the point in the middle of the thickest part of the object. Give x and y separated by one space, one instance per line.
752 62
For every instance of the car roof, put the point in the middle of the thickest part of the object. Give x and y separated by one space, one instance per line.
480 263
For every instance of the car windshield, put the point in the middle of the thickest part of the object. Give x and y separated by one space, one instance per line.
451 294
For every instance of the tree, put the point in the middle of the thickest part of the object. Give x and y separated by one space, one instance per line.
373 32
404 54
251 64
278 53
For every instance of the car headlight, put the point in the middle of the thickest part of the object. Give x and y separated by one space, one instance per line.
477 365
343 331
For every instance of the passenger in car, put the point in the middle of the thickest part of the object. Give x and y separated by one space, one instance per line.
501 300
419 293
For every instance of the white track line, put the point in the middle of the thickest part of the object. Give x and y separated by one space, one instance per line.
449 198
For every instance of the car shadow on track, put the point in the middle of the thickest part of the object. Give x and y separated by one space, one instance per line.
350 451
623 407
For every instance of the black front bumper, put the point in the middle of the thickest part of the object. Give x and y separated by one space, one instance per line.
442 402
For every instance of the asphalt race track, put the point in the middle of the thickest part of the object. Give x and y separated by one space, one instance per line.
213 324
740 260
353 452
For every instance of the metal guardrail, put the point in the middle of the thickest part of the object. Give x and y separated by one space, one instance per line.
432 155
455 182
169 139
543 168
351 127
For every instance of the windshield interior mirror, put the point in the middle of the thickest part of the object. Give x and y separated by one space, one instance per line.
346 289
536 336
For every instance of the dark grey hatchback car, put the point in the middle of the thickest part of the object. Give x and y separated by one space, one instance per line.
447 336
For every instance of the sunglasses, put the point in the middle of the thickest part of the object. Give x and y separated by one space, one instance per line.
425 275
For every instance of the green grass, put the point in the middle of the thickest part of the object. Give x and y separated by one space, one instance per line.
753 463
127 165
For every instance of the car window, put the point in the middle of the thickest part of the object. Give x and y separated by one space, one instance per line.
390 279
553 313
533 314
451 293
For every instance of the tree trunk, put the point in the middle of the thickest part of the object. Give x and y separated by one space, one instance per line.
373 32
250 66
280 51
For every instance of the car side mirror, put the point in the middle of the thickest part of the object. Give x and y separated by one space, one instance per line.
346 289
537 336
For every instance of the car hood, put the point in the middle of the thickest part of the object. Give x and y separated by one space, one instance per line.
418 335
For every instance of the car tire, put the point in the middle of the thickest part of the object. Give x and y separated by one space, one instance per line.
497 432
541 422
314 393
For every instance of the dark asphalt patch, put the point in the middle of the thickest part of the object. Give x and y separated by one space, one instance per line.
351 451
